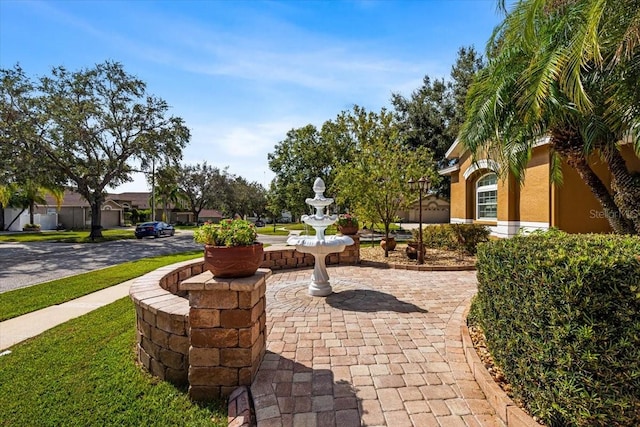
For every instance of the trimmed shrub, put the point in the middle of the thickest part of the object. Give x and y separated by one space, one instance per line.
437 236
452 237
561 314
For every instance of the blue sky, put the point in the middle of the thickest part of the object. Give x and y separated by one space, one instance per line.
243 73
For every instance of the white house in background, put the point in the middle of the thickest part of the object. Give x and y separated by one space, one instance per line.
47 221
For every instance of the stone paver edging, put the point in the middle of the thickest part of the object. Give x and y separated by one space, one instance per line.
416 267
240 411
505 408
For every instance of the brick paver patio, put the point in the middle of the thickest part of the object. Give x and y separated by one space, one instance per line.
383 350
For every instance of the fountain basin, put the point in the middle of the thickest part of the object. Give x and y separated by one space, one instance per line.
320 286
329 245
314 221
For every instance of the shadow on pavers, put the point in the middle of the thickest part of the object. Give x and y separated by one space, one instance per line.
299 395
369 300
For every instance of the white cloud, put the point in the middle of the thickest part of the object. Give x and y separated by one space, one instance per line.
249 140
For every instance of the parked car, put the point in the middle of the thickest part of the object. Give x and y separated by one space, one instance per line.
259 223
155 229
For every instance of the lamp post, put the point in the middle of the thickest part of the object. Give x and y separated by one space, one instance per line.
153 189
422 185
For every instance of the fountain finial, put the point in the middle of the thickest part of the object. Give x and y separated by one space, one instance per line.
319 187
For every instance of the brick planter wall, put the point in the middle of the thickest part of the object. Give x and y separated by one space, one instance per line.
227 330
235 317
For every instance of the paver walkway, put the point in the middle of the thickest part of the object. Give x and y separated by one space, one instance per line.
383 350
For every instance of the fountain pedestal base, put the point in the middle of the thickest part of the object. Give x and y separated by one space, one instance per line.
320 289
320 286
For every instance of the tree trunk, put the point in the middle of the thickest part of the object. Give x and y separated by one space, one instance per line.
625 187
569 145
31 209
386 238
165 208
96 219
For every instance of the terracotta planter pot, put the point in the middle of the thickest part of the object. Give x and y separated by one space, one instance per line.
236 261
348 230
389 243
412 250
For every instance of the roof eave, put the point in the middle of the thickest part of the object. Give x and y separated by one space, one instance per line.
449 170
454 151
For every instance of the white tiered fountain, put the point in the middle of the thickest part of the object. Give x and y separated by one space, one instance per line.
319 246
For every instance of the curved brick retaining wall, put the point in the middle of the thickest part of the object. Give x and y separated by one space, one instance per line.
162 309
163 320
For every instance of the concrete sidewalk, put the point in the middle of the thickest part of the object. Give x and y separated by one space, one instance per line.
20 328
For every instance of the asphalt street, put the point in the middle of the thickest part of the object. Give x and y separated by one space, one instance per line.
26 264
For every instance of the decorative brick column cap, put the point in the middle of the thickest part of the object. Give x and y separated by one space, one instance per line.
206 282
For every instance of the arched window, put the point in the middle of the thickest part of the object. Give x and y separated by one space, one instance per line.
487 197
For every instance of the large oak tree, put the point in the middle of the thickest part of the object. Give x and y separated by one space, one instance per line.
203 186
92 126
304 155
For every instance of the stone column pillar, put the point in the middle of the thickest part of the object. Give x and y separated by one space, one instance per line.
351 254
227 321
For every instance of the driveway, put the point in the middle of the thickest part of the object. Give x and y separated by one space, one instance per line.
26 264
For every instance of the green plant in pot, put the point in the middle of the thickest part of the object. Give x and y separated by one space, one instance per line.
230 248
347 224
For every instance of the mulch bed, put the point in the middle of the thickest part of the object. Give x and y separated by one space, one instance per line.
434 257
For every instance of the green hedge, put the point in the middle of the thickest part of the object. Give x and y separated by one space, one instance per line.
561 314
453 237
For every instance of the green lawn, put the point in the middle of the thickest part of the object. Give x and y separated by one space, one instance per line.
84 373
79 236
25 300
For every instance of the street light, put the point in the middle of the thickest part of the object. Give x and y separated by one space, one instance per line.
422 185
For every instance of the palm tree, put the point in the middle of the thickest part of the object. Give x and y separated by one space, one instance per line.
27 196
6 191
167 190
569 70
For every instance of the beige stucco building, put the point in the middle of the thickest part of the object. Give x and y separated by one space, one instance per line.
479 196
75 211
435 210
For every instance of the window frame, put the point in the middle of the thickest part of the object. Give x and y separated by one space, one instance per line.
485 189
